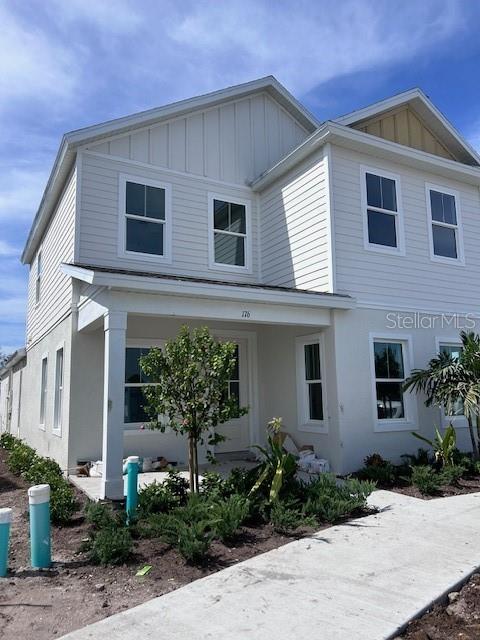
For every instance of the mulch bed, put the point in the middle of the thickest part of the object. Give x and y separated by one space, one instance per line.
464 485
456 619
40 605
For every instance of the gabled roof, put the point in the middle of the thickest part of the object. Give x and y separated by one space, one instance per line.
428 112
71 141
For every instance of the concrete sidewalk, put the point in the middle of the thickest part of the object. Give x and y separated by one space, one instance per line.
359 581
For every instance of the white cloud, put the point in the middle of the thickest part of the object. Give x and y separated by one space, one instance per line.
7 250
117 16
21 190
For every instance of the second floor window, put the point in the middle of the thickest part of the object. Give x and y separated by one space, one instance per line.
444 220
382 216
229 241
38 278
146 211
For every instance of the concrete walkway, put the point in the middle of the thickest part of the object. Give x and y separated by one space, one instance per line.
358 581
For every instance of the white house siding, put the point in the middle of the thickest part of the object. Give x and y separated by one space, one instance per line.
295 235
57 246
356 403
234 142
44 441
413 280
100 215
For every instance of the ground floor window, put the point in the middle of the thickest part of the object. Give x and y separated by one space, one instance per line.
58 399
311 397
389 379
43 391
234 382
453 350
135 379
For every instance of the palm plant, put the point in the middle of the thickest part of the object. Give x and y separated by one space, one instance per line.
448 380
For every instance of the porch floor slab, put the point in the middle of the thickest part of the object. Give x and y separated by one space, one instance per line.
92 487
364 579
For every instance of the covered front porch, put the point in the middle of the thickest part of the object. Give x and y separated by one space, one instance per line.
120 315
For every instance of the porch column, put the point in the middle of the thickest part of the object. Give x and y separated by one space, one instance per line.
115 327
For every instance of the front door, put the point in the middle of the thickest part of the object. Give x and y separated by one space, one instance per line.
236 431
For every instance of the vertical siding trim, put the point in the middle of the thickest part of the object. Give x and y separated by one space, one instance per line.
78 207
329 201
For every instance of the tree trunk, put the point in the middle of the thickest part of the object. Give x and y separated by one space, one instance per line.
191 464
472 436
196 466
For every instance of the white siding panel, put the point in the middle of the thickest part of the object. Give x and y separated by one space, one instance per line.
295 228
410 281
57 247
99 220
234 142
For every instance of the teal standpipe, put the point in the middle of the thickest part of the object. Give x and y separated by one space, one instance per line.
5 521
132 486
40 545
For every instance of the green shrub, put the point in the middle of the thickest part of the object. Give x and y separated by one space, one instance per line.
451 474
100 515
426 479
62 503
240 481
378 470
111 545
286 518
328 501
44 471
177 486
157 498
7 441
191 539
422 458
228 516
213 485
21 457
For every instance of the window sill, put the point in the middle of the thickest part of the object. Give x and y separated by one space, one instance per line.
57 433
314 427
391 251
229 268
453 262
133 430
386 426
144 257
42 427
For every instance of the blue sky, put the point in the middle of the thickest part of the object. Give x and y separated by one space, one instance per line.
65 64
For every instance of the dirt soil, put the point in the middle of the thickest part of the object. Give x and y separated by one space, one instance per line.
464 485
40 605
456 619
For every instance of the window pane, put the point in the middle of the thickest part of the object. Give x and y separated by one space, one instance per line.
444 241
312 362
229 249
43 391
57 418
236 369
388 360
452 350
135 204
134 401
234 390
220 215
155 204
389 196
315 401
237 218
374 191
133 371
382 229
390 400
144 237
443 207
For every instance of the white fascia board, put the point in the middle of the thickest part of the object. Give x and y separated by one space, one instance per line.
367 143
378 107
208 290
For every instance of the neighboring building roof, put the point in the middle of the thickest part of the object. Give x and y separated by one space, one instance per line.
13 360
71 141
425 108
126 278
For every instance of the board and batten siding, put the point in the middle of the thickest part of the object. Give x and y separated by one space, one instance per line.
412 281
101 214
234 142
295 235
57 246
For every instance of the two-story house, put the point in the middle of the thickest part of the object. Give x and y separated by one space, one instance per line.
337 255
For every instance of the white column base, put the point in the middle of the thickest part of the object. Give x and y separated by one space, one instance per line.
112 489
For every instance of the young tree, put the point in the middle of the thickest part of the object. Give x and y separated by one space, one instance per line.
191 394
448 380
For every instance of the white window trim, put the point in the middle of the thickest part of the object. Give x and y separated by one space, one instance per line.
459 422
38 278
141 344
122 252
399 250
218 266
57 429
42 425
409 422
460 259
305 423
